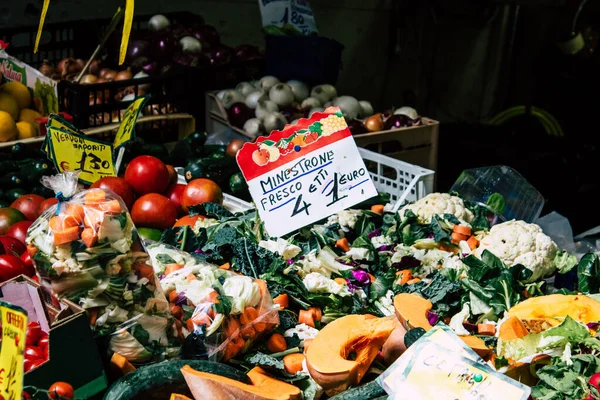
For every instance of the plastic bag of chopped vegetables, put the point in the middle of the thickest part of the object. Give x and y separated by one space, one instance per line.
86 249
219 313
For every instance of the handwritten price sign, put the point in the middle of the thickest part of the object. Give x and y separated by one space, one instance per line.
14 326
305 173
126 130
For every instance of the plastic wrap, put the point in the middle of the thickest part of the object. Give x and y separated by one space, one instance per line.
86 249
220 313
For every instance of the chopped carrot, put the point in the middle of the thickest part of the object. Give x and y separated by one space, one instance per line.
202 318
89 237
173 296
67 235
262 287
213 297
225 266
248 316
457 237
191 277
486 329
232 348
282 300
179 329
176 311
120 366
316 313
69 221
413 281
231 327
340 281
111 207
405 276
32 250
93 218
306 317
95 196
276 343
144 271
342 244
307 343
248 332
445 248
189 324
293 363
92 315
473 242
462 230
377 208
55 223
172 268
76 211
372 278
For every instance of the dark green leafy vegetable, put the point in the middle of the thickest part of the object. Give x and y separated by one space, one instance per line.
211 210
412 336
496 203
588 272
562 381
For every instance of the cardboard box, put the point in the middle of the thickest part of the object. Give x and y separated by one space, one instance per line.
73 354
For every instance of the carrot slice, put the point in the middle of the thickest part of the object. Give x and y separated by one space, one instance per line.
473 242
276 343
462 229
405 276
120 365
225 266
342 244
111 207
32 250
93 218
189 324
92 316
316 313
55 223
191 277
213 297
372 278
248 316
176 311
486 329
293 363
173 267
173 296
457 237
306 317
377 208
413 281
249 333
89 237
76 211
95 196
231 327
340 281
282 300
144 271
66 235
202 318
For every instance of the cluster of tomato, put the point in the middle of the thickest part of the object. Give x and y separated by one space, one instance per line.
58 391
36 346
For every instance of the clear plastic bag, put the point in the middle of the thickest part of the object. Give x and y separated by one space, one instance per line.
220 313
86 249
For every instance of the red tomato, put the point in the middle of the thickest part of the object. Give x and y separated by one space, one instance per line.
174 193
37 363
9 216
27 364
61 390
153 211
172 174
33 352
46 204
29 205
188 220
34 333
147 174
28 262
200 191
43 343
10 266
119 186
19 230
12 246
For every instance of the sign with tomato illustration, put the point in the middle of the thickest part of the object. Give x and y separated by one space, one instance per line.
14 327
305 173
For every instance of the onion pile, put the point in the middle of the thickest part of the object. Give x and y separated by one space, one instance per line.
270 104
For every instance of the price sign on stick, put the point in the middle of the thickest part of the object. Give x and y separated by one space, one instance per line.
305 173
56 121
126 130
14 327
70 151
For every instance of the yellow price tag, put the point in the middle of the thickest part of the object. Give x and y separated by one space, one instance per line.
56 121
70 151
14 327
126 130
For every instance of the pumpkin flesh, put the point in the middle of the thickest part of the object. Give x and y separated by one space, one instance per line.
176 396
342 352
555 307
411 310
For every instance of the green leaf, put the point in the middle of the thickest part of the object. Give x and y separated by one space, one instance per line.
439 234
477 268
224 305
165 259
497 203
293 341
452 219
265 361
413 335
211 210
480 220
564 261
587 273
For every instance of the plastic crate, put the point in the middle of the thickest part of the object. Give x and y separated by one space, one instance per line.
404 182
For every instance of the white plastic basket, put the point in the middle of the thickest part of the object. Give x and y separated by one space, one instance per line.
404 182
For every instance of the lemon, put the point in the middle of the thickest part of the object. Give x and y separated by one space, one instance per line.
19 92
10 105
8 129
27 114
27 130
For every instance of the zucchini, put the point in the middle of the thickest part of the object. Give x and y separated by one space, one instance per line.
35 169
12 180
158 381
8 166
42 191
21 151
13 194
218 170
4 203
238 186
369 390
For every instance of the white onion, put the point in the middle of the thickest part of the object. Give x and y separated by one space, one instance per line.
140 75
254 127
310 102
254 97
282 94
158 23
265 107
314 110
221 94
349 106
190 45
408 111
267 82
366 108
255 83
274 121
300 90
232 96
323 93
245 88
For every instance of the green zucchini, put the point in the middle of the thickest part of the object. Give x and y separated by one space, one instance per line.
158 381
218 170
12 180
238 186
42 191
13 194
21 151
4 203
8 166
369 390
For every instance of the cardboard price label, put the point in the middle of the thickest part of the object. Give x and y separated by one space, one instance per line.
126 130
305 173
70 151
14 328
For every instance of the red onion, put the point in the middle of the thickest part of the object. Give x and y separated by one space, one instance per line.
396 121
220 55
469 326
246 52
138 48
164 47
357 127
238 113
208 35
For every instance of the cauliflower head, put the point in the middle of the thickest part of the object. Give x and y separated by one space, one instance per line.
519 242
438 204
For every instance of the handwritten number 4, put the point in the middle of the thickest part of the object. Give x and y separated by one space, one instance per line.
301 206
